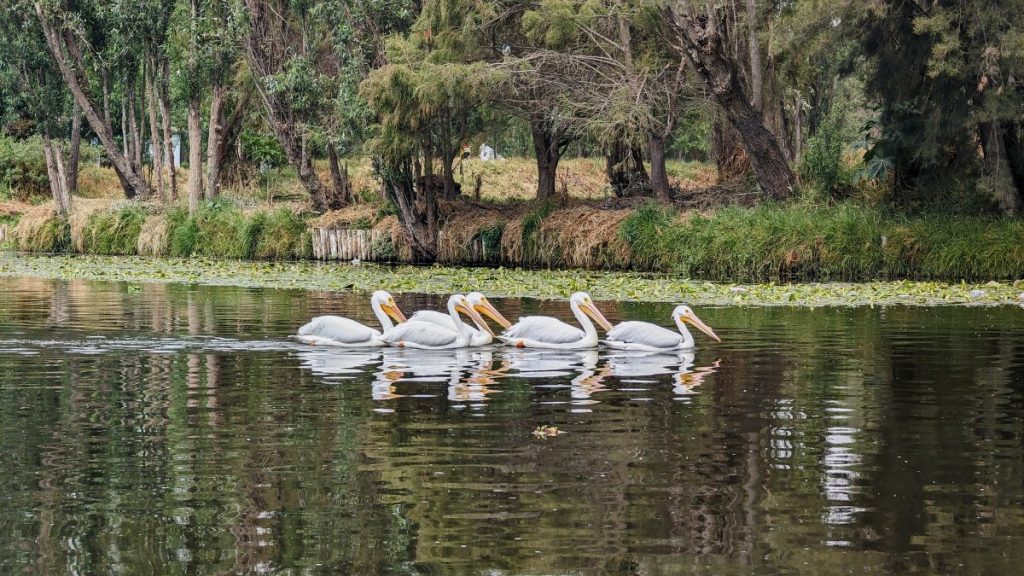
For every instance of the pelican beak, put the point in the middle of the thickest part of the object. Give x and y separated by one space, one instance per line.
590 310
697 323
486 308
391 309
475 317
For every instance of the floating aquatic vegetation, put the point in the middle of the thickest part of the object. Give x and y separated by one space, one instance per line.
516 282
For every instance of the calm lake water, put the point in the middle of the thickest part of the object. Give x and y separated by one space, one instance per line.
177 430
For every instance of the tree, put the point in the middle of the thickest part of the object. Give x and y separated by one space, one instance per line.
701 38
64 30
31 89
425 109
958 90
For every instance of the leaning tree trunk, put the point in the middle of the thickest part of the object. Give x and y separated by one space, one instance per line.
195 155
998 176
659 173
721 75
547 147
132 183
214 149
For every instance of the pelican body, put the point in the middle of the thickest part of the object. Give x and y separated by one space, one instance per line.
548 332
347 333
430 336
653 338
481 304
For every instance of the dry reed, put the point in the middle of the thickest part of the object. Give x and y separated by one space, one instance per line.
153 238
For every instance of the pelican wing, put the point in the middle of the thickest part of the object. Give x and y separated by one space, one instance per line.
337 329
422 333
441 319
646 334
544 329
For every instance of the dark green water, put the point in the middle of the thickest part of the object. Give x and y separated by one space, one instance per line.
165 429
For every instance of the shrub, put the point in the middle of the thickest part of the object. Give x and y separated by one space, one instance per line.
114 231
23 168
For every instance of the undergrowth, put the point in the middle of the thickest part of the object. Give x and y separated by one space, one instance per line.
840 242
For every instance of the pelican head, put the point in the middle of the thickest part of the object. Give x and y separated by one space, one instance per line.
583 302
684 314
383 300
482 305
461 304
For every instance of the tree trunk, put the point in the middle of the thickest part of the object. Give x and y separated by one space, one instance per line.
230 132
75 150
342 193
214 147
659 174
727 148
624 168
703 46
997 175
195 155
548 151
756 72
165 117
155 147
134 130
132 183
58 185
419 224
451 189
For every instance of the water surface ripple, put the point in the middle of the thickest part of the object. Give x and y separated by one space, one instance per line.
177 429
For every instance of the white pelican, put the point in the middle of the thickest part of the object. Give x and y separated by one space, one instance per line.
481 304
430 336
347 333
651 337
548 332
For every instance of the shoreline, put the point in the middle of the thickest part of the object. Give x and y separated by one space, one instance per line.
505 282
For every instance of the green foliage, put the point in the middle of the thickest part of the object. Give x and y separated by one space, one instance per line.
531 229
221 230
648 232
823 160
842 242
23 168
490 239
263 149
284 237
114 232
383 249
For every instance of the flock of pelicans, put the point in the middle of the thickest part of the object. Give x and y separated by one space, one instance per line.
430 330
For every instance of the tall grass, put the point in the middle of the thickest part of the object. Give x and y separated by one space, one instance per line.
219 229
842 242
114 231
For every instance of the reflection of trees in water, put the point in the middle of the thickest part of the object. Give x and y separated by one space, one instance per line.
895 435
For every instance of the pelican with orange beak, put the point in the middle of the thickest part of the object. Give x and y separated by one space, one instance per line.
347 333
430 336
548 332
653 338
481 304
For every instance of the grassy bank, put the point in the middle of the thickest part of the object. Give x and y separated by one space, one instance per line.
218 229
843 242
767 243
308 275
